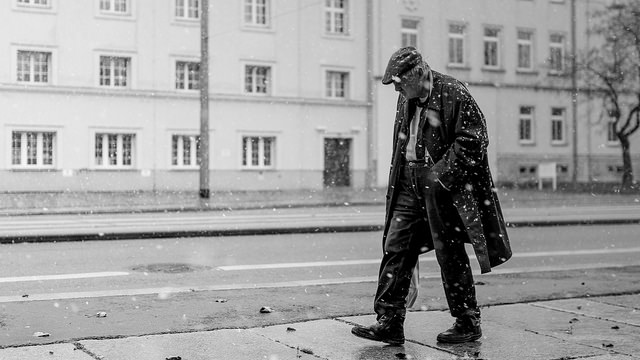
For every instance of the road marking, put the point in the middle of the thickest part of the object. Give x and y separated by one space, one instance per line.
167 292
61 276
422 259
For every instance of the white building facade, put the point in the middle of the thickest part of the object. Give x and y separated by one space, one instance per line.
103 95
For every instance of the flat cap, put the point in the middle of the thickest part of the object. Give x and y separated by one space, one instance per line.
400 62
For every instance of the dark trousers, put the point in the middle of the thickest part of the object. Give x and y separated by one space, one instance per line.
424 207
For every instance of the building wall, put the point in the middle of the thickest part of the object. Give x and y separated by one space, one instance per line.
75 107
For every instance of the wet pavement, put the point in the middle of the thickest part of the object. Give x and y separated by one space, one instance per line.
596 328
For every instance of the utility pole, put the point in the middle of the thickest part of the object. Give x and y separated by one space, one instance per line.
574 96
203 144
372 148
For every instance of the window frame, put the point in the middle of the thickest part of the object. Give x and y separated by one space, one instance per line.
253 22
185 18
39 165
498 47
410 33
611 136
119 133
530 118
530 43
131 73
52 63
562 120
20 5
254 85
174 74
329 14
179 157
112 13
329 86
452 37
246 164
561 46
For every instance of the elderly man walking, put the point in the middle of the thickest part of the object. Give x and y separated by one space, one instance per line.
440 196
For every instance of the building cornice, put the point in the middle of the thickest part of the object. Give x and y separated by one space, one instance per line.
177 95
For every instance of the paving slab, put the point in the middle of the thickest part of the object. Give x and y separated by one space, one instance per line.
210 345
498 342
48 352
572 328
595 309
613 357
332 339
631 301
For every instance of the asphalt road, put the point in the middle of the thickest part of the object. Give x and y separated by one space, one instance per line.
166 285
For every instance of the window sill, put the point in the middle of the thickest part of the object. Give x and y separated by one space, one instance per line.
559 143
558 74
332 36
34 169
258 169
184 168
494 70
267 29
527 72
115 16
527 143
186 22
458 67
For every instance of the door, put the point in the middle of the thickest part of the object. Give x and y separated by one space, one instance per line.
337 159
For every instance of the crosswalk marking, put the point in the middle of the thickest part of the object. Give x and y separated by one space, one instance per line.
62 276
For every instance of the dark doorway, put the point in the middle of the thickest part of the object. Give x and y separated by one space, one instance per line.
337 155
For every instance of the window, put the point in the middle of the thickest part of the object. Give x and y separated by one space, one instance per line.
612 135
557 125
114 150
187 75
184 151
491 47
188 9
526 125
409 32
257 79
337 84
116 7
456 44
256 12
556 53
32 149
34 3
258 151
33 66
114 71
336 20
525 50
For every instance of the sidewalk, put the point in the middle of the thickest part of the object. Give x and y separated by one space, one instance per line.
97 202
597 328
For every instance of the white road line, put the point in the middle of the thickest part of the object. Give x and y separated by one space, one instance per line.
422 259
61 276
167 292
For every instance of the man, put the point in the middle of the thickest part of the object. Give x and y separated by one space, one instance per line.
440 196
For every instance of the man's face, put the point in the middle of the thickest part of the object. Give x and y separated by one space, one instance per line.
409 85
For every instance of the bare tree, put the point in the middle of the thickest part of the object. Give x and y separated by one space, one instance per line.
612 67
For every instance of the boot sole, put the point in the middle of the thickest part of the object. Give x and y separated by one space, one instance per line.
459 340
370 336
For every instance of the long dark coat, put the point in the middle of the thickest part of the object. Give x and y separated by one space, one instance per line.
457 143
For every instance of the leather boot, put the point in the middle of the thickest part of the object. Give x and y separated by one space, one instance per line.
388 329
463 330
